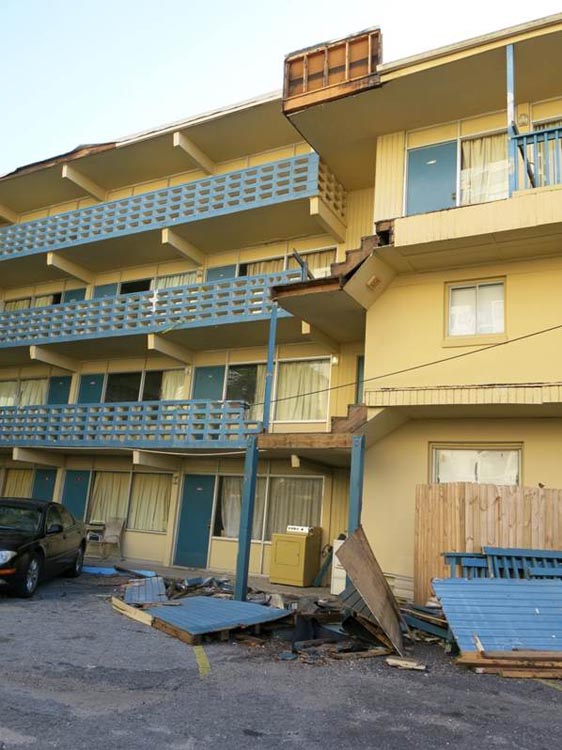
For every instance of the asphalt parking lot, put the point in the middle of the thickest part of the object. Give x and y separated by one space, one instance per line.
74 674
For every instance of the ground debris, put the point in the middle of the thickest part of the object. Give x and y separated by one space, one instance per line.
402 663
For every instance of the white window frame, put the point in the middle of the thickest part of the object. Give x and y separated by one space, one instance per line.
473 284
434 448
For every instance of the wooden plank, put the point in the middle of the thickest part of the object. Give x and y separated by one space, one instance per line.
132 612
363 569
182 635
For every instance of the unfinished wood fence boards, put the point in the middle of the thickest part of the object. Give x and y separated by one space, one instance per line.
464 517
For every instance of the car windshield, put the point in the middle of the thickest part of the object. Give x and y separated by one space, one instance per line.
19 519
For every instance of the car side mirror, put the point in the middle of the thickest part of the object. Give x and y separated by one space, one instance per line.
54 528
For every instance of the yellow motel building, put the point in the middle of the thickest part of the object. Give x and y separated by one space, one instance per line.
360 272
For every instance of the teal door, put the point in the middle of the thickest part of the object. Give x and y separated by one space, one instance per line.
44 484
59 390
221 272
208 383
432 178
75 492
194 525
91 389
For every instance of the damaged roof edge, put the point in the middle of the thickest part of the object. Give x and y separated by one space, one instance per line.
89 149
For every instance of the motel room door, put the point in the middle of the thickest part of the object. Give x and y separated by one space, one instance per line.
194 523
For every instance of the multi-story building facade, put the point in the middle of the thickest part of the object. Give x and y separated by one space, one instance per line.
408 217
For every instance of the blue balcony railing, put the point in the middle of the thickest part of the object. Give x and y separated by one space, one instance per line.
221 302
537 158
264 185
150 424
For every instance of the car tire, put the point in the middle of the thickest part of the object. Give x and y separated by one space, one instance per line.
76 568
25 588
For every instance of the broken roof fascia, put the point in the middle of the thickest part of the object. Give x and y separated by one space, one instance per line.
200 119
483 43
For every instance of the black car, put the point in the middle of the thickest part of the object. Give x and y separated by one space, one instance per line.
37 540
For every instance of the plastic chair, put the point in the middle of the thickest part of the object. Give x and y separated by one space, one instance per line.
112 534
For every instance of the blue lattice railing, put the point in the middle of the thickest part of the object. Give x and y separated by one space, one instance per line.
150 424
221 302
254 187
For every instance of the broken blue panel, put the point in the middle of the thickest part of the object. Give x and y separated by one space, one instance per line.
100 571
151 590
202 614
504 613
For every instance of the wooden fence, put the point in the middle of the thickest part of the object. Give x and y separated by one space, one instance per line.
461 517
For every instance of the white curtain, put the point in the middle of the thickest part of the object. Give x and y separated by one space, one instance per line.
8 392
43 301
33 392
293 501
18 483
273 265
173 385
17 304
150 502
177 279
306 377
230 501
110 495
545 171
255 412
484 169
319 263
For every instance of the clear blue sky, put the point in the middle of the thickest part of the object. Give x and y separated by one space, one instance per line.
85 71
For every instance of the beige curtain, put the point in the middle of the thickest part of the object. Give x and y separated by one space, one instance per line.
230 501
43 301
8 392
319 263
110 494
178 279
293 501
150 502
33 392
273 265
17 304
173 385
306 377
18 483
255 412
484 169
545 170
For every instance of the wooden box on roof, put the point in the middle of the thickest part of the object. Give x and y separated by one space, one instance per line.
331 70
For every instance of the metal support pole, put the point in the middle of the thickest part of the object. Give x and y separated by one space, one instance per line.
511 127
356 482
270 367
246 518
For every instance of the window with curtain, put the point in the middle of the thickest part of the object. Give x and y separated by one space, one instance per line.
271 265
17 304
150 502
173 385
308 377
319 262
8 392
18 483
483 466
476 309
33 392
484 169
109 497
176 279
293 501
247 383
229 504
548 170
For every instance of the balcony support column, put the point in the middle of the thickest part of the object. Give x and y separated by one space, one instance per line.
7 214
270 368
159 344
84 183
246 518
356 482
156 460
320 338
511 126
72 269
200 158
40 354
183 247
42 458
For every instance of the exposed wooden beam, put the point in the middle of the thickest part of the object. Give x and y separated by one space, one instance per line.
184 143
156 461
43 458
40 354
183 247
72 269
159 344
297 462
7 214
327 219
320 338
85 183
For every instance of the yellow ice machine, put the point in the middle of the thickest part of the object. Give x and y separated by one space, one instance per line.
295 555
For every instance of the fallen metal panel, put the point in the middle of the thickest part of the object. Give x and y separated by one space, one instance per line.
505 614
146 591
202 614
